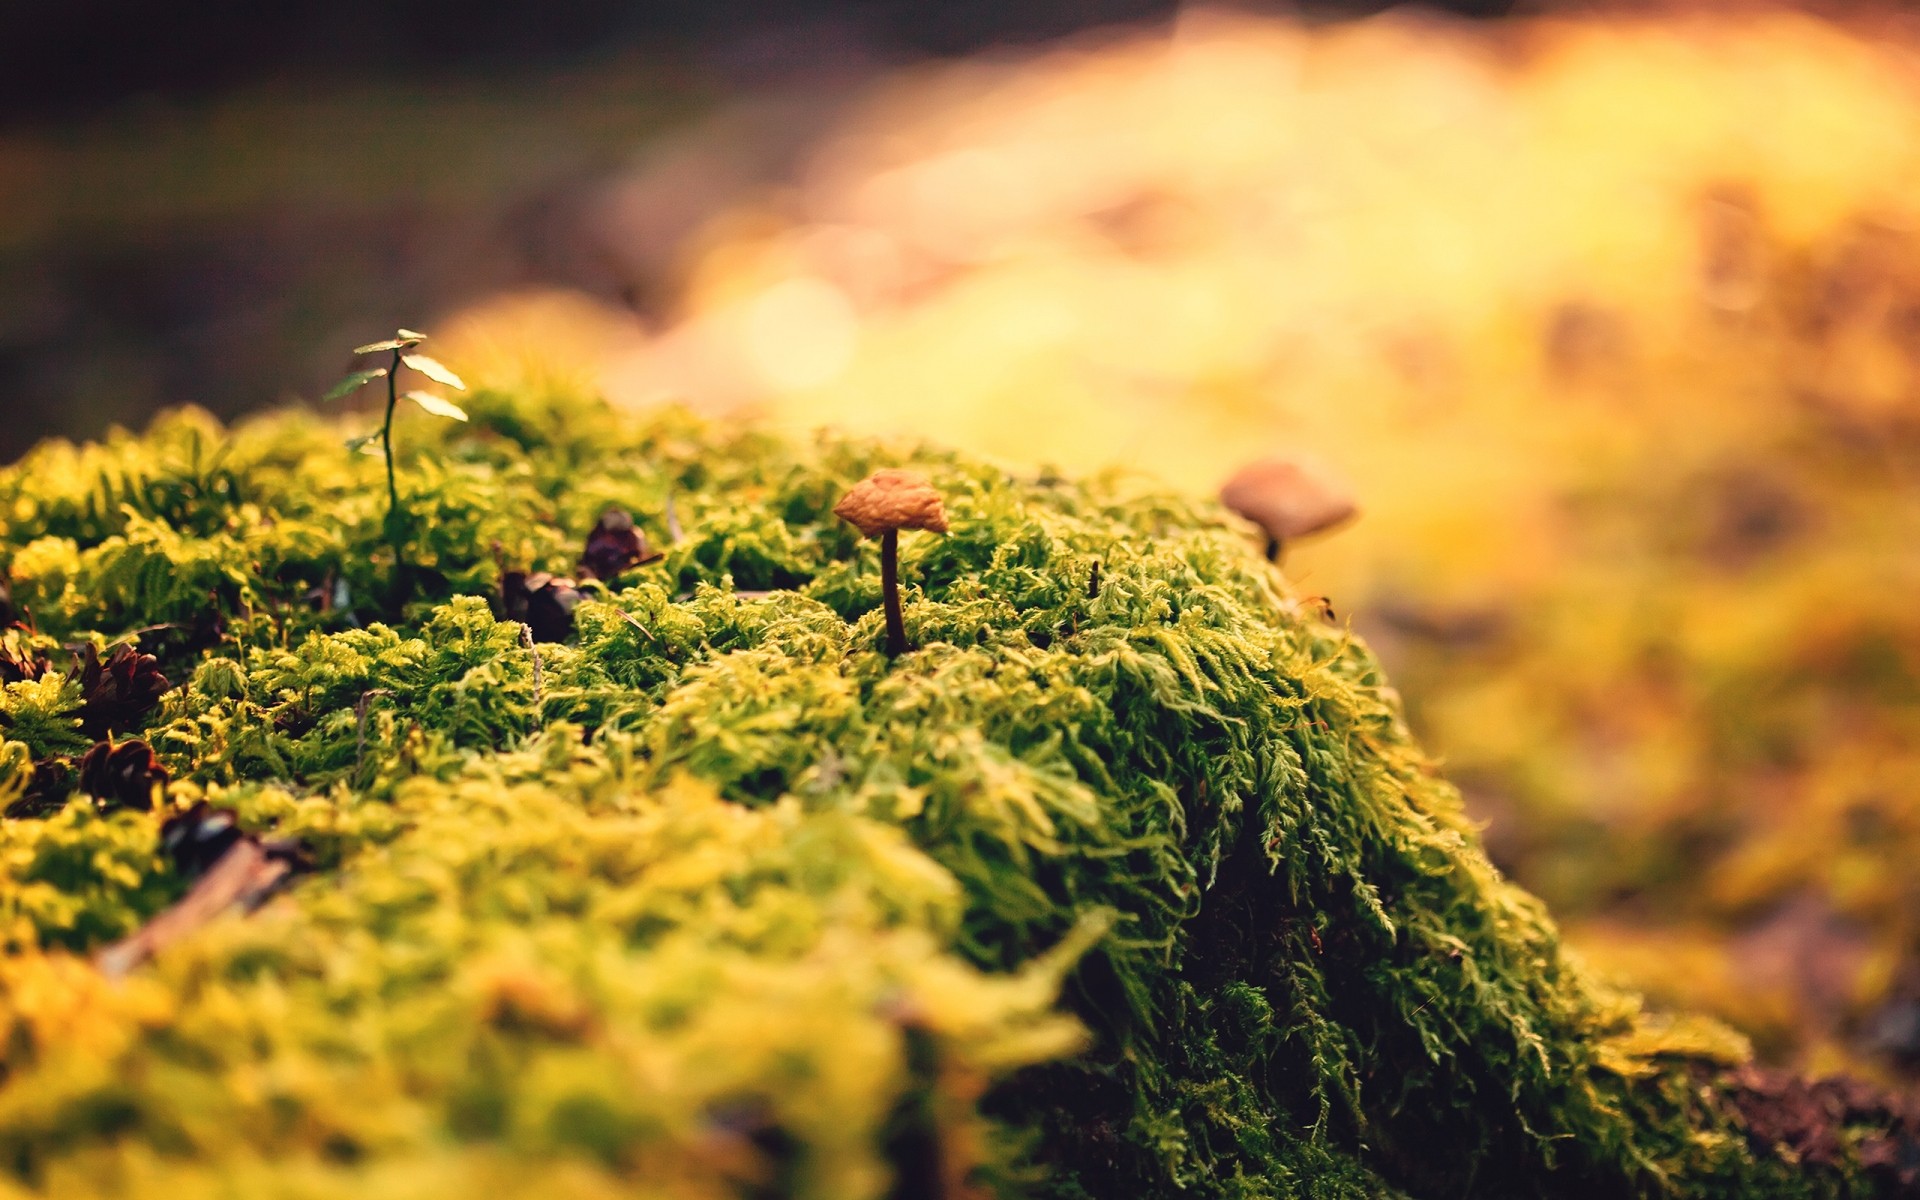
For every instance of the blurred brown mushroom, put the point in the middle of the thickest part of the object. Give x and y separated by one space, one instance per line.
1289 499
881 505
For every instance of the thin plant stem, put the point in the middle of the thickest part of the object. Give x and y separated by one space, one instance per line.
393 489
386 440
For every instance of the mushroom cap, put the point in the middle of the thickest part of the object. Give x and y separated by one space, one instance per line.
892 498
1289 497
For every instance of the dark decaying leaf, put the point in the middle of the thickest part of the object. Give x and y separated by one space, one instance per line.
19 661
543 603
47 789
123 775
760 1157
921 1165
614 546
195 839
115 694
1822 1123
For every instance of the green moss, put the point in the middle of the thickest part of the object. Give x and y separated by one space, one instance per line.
1142 893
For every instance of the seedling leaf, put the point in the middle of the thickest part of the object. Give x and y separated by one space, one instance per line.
439 406
401 339
354 383
435 370
368 444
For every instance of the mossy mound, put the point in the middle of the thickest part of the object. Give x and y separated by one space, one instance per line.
1126 881
1635 433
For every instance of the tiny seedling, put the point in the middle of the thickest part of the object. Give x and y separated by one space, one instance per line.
402 347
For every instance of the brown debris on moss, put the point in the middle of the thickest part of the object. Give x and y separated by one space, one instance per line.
543 602
231 869
117 692
614 546
195 839
1835 1126
123 775
48 785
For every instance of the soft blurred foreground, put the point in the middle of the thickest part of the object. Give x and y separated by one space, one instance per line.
1613 323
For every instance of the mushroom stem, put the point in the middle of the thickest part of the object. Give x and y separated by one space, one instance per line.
890 586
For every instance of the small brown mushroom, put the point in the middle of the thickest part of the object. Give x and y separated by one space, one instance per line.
1289 499
881 505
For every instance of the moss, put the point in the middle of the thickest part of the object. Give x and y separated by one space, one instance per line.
1139 889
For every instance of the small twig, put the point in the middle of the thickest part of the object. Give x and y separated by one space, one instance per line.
674 532
360 719
634 621
134 634
243 878
526 639
1093 581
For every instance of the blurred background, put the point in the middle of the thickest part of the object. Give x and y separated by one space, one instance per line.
1612 317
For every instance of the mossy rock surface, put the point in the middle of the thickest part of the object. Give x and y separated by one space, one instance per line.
1126 881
